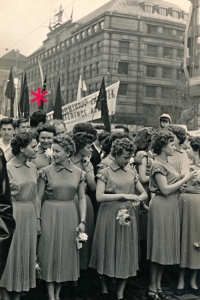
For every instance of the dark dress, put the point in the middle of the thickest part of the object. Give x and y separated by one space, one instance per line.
58 253
19 274
85 251
163 235
115 246
7 222
189 204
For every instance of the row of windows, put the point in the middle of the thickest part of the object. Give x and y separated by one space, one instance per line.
167 31
166 92
163 10
152 50
68 42
167 73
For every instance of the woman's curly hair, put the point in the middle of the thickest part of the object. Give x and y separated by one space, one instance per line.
107 143
142 139
21 140
67 143
85 127
119 145
45 127
160 139
179 132
195 143
81 139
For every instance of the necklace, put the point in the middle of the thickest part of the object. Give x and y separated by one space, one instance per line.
160 160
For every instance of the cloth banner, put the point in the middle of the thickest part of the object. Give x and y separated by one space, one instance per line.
83 110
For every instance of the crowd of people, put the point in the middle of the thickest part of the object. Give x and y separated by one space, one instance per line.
91 199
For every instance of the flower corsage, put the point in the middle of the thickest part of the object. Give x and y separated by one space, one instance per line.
197 245
81 238
37 266
49 153
124 216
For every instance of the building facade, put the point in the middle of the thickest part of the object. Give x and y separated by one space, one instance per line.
136 42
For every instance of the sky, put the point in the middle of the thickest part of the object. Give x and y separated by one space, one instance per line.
24 23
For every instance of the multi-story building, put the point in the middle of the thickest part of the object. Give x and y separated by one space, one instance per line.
136 42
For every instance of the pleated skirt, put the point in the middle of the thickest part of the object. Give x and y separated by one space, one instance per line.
58 253
189 205
163 234
85 251
20 274
115 246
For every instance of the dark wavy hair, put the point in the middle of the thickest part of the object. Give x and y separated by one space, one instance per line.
21 140
107 143
39 116
85 127
179 132
67 143
195 143
142 139
81 139
45 127
160 139
122 144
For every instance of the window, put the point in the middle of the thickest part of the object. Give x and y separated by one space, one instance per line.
79 54
123 89
165 92
97 86
152 50
53 49
49 51
90 88
148 8
77 37
179 33
124 47
89 32
167 31
83 34
162 11
180 53
167 52
85 52
151 71
58 47
95 28
67 43
90 71
84 72
45 54
123 68
97 68
72 40
150 91
62 44
180 75
167 73
91 50
175 14
151 29
102 25
98 47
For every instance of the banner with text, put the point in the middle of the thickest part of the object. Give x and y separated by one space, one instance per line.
83 110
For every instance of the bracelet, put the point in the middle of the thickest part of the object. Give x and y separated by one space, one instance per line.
39 219
83 222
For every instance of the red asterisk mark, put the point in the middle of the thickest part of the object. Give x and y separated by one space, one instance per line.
39 96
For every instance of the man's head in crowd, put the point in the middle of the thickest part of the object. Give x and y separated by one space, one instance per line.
164 121
39 117
22 125
7 129
121 129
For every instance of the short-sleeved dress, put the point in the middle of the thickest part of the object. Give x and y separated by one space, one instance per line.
189 205
163 233
178 159
19 274
115 246
85 251
41 159
58 253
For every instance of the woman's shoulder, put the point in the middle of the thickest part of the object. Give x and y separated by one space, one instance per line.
158 167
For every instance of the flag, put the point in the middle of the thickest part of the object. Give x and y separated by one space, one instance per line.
51 99
58 104
41 71
24 99
102 105
84 86
10 92
81 88
43 90
71 17
21 89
